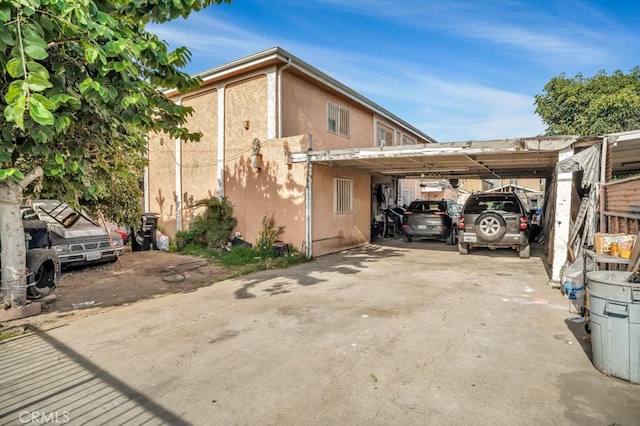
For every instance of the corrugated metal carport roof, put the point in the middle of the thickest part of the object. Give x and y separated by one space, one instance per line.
509 158
625 151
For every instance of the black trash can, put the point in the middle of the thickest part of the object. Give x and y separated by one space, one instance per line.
144 239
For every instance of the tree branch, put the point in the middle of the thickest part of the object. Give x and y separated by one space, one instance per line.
34 174
57 43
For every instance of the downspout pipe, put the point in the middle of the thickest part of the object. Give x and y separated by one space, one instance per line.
221 141
178 177
308 244
178 157
280 96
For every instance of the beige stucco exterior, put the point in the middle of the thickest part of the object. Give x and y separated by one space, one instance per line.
284 108
161 184
198 178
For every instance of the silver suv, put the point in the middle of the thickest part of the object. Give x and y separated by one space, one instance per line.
494 221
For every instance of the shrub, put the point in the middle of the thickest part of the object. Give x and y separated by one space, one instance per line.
210 228
268 235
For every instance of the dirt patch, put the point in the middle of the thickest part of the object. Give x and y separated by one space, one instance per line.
139 275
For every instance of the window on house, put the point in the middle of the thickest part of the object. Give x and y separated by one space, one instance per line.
343 195
384 137
406 140
338 119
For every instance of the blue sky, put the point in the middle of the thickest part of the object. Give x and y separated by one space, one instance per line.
457 70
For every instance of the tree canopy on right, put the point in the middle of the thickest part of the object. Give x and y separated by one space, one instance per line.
591 106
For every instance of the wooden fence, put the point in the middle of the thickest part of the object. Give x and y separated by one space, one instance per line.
622 206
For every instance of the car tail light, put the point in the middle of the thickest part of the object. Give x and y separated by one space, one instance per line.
408 213
404 225
438 213
524 225
461 223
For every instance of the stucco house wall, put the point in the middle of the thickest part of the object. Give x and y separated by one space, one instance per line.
161 181
336 231
199 159
246 101
277 190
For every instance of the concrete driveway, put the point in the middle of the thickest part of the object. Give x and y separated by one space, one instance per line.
398 334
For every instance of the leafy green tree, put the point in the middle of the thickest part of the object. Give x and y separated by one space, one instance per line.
591 106
81 90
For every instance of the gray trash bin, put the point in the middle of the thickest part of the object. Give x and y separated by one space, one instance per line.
615 324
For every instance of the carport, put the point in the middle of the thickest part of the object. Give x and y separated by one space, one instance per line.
534 157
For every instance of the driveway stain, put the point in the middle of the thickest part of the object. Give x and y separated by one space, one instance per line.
225 335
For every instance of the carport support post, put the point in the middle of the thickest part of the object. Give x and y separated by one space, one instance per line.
308 234
562 219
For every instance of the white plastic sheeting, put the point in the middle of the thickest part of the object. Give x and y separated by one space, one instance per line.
584 226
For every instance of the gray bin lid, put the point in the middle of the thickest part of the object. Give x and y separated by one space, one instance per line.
612 285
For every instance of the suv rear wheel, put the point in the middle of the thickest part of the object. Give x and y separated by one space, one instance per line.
524 251
491 226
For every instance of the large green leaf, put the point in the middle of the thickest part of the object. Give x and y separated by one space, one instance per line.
17 89
36 52
46 102
5 156
15 67
5 173
91 54
5 13
38 70
39 113
38 84
6 37
14 112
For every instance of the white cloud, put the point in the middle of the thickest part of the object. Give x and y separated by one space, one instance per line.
221 42
521 27
451 107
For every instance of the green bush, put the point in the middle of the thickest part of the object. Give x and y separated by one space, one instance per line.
268 235
210 228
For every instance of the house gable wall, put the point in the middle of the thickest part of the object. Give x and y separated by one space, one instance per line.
304 111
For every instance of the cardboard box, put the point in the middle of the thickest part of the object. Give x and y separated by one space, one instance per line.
603 242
